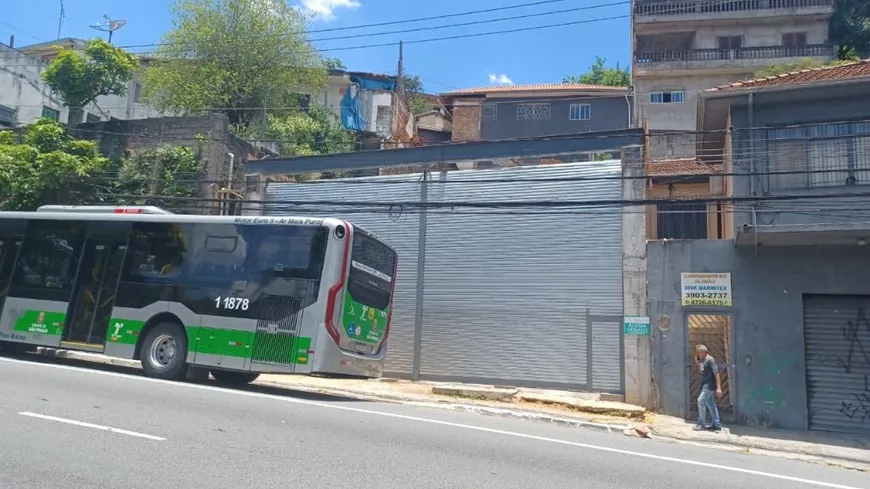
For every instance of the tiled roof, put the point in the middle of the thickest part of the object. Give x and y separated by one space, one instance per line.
812 75
680 167
539 87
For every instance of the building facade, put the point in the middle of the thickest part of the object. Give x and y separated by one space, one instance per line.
788 318
527 111
24 97
681 49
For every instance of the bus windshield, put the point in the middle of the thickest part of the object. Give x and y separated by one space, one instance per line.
371 272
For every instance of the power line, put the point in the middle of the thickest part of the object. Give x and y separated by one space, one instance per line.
402 21
475 22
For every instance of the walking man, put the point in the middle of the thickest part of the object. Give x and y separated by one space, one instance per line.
710 382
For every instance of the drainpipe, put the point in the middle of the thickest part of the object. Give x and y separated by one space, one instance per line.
628 105
752 170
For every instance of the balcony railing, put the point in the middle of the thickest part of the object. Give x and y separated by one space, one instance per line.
693 7
762 52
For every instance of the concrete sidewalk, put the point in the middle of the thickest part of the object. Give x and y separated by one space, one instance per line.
577 409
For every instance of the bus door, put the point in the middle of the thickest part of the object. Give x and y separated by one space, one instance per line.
96 285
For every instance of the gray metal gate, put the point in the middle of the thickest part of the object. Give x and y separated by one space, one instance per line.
498 295
837 336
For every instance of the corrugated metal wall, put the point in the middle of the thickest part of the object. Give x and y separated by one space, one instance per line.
837 336
521 296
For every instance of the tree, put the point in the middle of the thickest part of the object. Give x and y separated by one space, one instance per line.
79 79
311 132
334 64
850 29
420 104
45 166
235 55
599 75
174 171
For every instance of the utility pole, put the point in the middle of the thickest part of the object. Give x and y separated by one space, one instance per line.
265 124
60 19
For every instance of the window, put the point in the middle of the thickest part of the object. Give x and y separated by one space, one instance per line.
680 220
533 112
730 42
674 97
490 111
794 39
157 251
92 118
371 271
288 251
7 115
580 112
49 113
137 92
821 155
50 256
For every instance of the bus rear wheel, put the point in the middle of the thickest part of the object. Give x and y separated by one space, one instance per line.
164 352
229 377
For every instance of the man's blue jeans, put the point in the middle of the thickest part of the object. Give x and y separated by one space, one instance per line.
707 401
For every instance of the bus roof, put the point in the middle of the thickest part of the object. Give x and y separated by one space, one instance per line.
104 215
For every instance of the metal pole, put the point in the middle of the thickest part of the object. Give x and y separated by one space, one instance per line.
421 271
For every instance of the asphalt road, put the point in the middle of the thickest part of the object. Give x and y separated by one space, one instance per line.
70 427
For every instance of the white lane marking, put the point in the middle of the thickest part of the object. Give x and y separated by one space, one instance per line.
91 425
662 458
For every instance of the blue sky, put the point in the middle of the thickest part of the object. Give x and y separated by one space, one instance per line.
540 56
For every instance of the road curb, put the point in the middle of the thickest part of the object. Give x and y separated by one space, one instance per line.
448 406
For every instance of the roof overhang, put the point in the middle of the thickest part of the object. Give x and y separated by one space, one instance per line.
599 141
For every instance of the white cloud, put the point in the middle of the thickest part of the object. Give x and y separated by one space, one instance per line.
500 79
325 9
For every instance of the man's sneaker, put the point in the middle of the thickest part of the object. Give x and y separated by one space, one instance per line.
699 427
716 428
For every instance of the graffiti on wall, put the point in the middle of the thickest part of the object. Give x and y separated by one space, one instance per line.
856 408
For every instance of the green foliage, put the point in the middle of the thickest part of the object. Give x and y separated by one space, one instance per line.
414 89
334 64
312 132
232 54
45 164
80 78
802 64
599 75
850 29
170 170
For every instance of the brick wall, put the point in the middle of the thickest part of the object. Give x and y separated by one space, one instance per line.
466 120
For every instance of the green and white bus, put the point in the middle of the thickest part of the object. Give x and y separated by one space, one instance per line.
232 295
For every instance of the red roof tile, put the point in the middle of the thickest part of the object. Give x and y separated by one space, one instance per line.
680 167
812 75
539 87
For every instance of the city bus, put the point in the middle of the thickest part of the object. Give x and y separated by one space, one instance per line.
234 296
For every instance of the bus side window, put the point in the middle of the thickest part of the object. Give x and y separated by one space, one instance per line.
50 256
217 255
157 252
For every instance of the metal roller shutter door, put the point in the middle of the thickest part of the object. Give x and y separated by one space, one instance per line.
396 226
837 336
507 293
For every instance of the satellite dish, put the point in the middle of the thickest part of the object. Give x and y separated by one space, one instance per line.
109 25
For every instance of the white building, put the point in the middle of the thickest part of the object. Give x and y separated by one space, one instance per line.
24 97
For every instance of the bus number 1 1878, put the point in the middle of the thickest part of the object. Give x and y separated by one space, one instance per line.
231 303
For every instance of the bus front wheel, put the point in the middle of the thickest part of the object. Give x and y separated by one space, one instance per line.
164 352
229 377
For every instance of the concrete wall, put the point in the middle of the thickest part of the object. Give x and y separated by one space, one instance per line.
499 119
768 363
762 35
681 117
